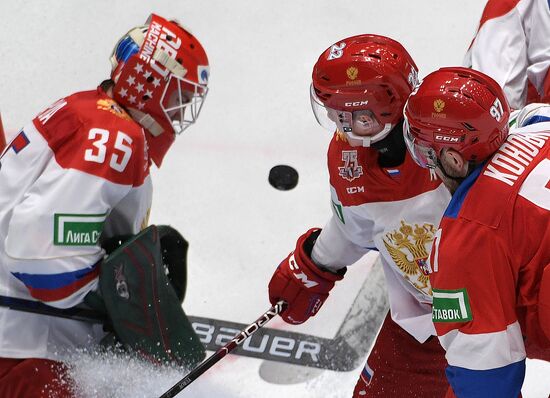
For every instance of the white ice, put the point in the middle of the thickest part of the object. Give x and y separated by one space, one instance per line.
213 186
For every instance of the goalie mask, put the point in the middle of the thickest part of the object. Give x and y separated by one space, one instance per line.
160 71
360 85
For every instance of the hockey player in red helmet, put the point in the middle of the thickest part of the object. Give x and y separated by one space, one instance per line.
78 177
359 87
490 264
459 109
160 73
381 201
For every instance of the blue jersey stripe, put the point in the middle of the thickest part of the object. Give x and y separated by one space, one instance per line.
53 281
536 119
502 382
461 193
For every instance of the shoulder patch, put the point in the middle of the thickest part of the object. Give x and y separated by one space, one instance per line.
451 306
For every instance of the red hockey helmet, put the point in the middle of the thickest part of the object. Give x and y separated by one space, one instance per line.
161 74
362 82
457 108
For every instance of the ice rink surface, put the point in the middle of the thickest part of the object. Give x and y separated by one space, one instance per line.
213 185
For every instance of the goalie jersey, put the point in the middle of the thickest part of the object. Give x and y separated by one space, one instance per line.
393 210
75 175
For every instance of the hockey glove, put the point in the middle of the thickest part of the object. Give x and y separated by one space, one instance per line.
301 283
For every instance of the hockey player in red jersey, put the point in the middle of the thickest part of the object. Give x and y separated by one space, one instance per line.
511 45
489 264
79 170
381 201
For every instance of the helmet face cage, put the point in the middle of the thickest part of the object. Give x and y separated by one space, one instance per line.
182 102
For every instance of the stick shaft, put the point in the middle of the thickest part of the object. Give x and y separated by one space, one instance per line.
36 307
2 136
82 314
226 349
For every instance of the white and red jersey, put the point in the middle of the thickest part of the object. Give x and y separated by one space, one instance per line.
393 210
79 171
511 45
488 263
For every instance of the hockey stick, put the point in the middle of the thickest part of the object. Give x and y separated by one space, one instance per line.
2 136
36 307
226 349
302 349
341 353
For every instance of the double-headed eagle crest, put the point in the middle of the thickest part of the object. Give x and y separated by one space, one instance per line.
408 249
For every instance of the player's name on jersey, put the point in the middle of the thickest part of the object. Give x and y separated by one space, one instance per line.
514 155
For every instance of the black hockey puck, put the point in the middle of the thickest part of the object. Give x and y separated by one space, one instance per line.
283 177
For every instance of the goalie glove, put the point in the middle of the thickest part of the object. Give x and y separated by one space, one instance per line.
301 283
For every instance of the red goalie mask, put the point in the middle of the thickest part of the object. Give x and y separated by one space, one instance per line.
161 74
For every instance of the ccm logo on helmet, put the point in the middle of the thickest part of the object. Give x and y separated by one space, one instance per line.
447 138
357 103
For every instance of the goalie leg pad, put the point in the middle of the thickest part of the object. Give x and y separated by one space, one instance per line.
146 313
174 257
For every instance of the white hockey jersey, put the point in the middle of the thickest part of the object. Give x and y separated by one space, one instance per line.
393 210
511 45
79 171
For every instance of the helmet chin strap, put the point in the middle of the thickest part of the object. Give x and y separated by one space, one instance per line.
367 141
146 121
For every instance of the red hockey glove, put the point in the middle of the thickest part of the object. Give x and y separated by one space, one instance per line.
301 283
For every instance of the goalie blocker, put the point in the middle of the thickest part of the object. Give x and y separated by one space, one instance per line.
141 289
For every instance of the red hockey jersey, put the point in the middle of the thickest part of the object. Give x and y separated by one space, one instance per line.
488 262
